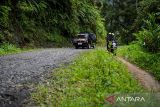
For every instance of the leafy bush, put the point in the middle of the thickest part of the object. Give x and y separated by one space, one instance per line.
59 40
7 48
86 82
145 60
150 35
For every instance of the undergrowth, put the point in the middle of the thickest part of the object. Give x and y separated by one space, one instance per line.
148 61
8 48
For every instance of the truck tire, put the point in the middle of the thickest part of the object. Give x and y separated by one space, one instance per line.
94 46
76 47
89 46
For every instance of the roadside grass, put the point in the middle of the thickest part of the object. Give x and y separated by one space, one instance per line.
7 48
148 61
86 82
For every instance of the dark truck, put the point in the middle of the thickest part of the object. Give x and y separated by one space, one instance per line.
83 40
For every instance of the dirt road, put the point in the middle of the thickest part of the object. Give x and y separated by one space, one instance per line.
146 79
19 70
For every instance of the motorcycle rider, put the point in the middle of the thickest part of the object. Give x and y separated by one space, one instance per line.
111 43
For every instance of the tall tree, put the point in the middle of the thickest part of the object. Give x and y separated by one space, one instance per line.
120 16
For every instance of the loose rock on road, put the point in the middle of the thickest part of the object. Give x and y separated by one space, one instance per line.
31 67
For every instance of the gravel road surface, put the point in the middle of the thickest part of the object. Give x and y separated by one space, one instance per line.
19 70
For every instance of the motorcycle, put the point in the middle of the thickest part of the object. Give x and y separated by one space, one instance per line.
112 47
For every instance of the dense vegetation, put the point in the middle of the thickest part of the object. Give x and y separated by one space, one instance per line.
52 23
40 22
129 16
8 48
86 82
142 58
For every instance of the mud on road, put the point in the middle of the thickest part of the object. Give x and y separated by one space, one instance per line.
18 71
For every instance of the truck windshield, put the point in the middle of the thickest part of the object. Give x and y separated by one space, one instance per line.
82 36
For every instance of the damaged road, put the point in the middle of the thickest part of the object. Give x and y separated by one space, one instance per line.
18 71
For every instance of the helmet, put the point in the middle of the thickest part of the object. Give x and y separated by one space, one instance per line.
110 33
